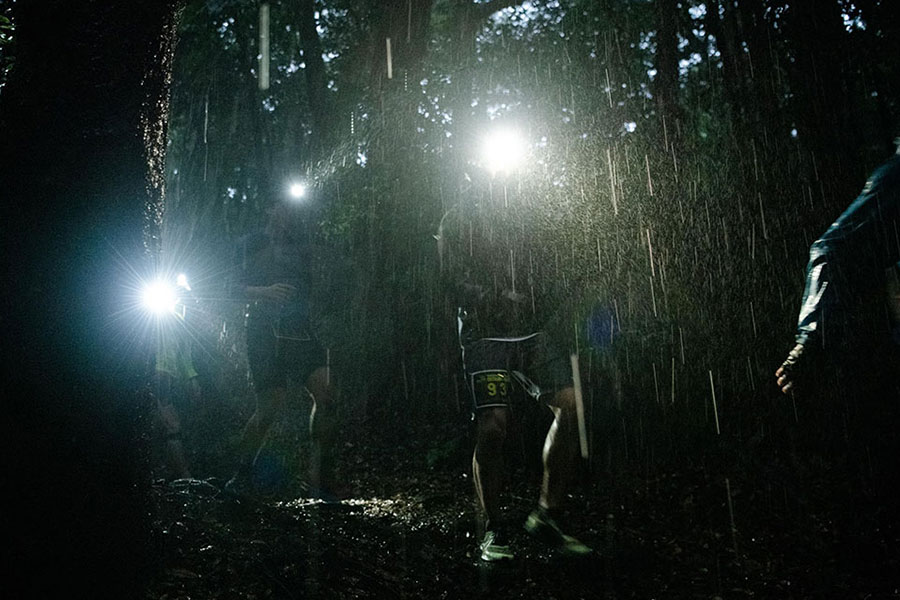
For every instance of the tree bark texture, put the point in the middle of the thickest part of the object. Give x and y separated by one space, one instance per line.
84 127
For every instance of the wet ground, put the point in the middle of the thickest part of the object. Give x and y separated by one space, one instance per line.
408 530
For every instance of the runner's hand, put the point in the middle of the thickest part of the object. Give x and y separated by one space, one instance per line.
789 370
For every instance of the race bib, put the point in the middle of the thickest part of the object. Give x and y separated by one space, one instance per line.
491 388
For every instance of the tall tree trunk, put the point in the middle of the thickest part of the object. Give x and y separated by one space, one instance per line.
666 88
880 69
722 24
316 82
84 125
407 24
817 77
764 89
725 44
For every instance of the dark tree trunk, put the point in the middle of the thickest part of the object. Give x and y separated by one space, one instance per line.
818 77
316 82
721 23
407 24
764 88
879 69
83 121
666 87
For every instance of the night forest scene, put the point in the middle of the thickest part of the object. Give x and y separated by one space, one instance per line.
450 299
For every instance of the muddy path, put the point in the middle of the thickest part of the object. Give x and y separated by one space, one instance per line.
408 530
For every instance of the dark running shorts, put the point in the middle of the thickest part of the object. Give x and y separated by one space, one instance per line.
273 359
499 369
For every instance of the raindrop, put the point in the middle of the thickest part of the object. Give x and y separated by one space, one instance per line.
712 388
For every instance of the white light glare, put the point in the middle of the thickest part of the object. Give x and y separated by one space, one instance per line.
297 190
159 298
503 151
182 281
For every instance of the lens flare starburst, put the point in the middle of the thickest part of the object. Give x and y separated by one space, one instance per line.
159 297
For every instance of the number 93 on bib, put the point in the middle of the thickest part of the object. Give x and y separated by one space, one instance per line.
491 388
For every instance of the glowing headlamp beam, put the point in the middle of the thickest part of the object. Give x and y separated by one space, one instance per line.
159 298
297 190
503 151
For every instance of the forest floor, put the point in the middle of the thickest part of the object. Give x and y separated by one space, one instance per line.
409 530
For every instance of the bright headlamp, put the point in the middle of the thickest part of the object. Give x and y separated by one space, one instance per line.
503 151
161 298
